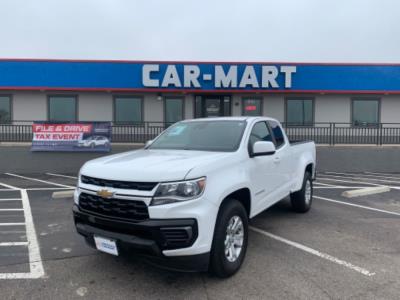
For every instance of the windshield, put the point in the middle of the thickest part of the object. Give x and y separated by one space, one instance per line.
202 135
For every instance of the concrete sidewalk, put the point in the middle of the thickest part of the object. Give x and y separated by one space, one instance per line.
338 158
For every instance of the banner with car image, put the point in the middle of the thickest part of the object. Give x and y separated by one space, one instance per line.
77 136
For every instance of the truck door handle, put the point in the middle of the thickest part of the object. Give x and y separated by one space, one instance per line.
277 160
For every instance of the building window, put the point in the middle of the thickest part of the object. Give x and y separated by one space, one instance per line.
365 112
5 109
128 110
299 112
62 108
252 107
173 110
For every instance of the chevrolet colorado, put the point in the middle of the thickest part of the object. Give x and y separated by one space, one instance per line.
184 201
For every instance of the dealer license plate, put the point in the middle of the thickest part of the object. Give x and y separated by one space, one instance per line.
106 245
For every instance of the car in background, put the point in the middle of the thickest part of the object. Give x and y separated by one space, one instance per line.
94 141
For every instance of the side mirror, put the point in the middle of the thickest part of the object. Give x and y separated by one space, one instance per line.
263 148
148 143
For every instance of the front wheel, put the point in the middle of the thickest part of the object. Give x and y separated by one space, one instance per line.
230 239
302 199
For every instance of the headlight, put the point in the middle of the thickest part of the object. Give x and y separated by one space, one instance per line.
76 196
171 192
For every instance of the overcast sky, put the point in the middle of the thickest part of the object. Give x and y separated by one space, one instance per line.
247 30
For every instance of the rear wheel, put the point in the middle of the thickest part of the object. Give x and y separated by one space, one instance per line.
230 239
302 199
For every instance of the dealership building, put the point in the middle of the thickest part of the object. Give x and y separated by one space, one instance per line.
131 92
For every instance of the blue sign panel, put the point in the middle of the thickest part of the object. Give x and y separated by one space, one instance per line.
198 77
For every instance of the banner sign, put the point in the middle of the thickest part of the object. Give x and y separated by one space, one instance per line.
198 77
80 136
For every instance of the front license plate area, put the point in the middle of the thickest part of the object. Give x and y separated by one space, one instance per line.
106 245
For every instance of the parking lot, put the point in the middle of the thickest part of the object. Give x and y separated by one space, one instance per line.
343 248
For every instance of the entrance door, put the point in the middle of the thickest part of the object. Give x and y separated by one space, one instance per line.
213 106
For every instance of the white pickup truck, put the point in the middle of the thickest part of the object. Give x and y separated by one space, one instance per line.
184 201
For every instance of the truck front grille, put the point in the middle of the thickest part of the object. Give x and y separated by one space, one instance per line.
118 184
130 210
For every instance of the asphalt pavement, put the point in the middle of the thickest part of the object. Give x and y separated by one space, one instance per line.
342 249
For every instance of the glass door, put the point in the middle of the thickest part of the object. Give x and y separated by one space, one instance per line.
212 106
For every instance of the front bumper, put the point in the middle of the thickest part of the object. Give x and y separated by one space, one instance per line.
147 238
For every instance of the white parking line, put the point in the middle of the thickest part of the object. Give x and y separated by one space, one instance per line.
39 180
12 231
12 224
10 199
13 244
362 174
382 174
9 187
394 187
348 181
11 209
330 185
18 276
314 252
338 187
60 175
35 260
357 205
351 177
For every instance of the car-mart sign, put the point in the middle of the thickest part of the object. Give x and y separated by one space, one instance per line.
261 76
199 77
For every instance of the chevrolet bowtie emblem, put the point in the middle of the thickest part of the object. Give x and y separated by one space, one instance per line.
105 194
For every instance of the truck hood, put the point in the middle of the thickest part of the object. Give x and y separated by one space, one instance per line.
149 165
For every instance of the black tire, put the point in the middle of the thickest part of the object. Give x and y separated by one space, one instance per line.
299 200
219 263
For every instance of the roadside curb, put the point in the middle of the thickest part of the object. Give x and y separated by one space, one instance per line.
62 194
366 191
